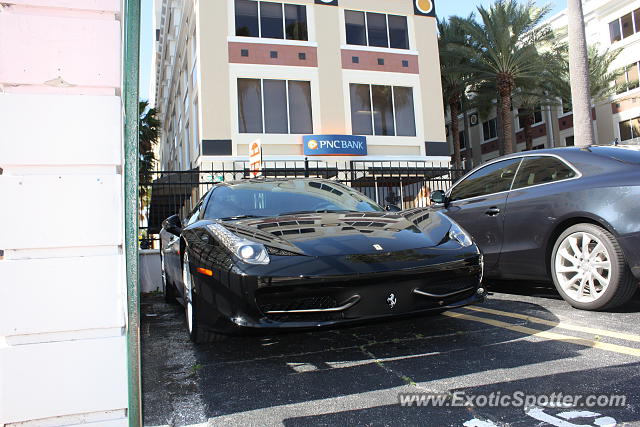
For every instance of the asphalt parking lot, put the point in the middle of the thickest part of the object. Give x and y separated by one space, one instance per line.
530 342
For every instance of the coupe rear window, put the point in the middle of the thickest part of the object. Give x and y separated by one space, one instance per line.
541 170
271 198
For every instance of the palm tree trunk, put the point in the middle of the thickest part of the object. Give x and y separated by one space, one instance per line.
455 159
499 127
527 121
579 76
467 132
507 118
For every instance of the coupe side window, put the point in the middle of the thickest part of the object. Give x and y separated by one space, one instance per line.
541 170
493 178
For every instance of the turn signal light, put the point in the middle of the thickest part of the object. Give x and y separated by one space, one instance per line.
204 271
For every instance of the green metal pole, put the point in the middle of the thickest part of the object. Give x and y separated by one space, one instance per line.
131 117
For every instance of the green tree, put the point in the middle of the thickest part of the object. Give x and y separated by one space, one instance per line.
455 74
602 76
148 132
530 97
503 49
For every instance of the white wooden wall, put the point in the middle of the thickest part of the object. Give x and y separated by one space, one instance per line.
62 288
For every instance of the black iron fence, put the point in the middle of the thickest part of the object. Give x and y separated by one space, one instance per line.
406 184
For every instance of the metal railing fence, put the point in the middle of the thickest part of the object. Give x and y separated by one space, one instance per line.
403 183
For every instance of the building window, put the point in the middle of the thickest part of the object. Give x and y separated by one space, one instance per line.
629 129
624 26
266 19
382 110
463 140
376 29
569 142
537 116
490 129
628 80
288 101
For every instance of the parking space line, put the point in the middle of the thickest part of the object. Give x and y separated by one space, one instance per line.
562 325
548 335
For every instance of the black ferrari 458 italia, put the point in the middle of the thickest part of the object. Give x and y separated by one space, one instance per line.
266 254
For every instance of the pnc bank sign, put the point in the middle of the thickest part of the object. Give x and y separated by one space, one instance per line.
335 145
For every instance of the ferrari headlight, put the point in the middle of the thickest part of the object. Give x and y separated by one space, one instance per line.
246 250
458 234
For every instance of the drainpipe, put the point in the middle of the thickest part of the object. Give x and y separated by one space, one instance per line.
131 117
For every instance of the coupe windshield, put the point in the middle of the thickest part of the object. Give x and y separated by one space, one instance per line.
274 198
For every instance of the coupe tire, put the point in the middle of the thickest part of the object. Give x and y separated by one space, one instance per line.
589 269
197 333
168 289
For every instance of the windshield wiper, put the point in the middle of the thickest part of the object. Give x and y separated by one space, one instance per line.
231 218
318 211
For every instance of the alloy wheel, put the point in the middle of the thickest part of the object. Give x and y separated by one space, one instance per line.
583 267
188 287
163 274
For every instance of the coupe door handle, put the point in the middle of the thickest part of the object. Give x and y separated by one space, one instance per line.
492 211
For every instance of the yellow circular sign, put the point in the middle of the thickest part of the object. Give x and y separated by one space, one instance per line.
424 6
313 144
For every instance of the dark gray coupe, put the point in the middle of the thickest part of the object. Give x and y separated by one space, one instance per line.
569 214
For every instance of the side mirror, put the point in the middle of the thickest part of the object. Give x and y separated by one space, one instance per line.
439 197
392 208
173 225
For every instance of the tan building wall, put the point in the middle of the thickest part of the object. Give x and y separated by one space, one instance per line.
332 114
213 52
325 60
433 109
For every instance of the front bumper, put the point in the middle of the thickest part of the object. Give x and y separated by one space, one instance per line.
236 303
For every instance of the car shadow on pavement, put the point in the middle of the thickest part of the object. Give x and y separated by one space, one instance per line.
614 383
548 291
186 384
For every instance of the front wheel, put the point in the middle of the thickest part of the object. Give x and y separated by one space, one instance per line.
589 269
197 334
168 290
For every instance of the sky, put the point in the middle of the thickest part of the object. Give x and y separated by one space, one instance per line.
444 8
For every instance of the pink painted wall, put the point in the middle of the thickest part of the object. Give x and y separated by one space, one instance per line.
61 142
60 46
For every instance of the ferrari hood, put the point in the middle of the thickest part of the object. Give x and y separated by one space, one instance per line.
331 234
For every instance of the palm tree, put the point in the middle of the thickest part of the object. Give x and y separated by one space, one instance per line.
528 100
455 74
579 72
602 77
504 49
149 131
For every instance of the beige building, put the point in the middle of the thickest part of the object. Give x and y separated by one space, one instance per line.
229 72
610 24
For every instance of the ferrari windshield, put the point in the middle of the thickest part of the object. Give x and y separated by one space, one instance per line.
275 198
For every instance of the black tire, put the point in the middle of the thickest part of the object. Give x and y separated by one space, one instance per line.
168 289
197 333
622 283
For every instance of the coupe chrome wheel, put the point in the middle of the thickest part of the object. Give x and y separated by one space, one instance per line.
188 286
583 267
163 274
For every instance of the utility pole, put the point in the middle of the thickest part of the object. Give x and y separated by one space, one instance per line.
579 76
